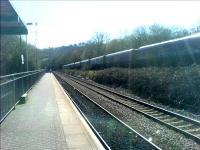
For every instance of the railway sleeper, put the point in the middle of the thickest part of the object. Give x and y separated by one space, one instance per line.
143 108
194 130
186 126
158 114
176 123
139 107
163 117
168 120
153 112
147 109
138 104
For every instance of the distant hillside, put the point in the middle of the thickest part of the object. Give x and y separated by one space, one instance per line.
100 44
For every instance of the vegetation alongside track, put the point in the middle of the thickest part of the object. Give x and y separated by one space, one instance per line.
178 87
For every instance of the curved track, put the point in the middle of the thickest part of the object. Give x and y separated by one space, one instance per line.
187 126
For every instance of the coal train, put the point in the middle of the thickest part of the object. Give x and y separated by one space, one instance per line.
178 52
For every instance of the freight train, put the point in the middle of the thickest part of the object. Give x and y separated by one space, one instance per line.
178 52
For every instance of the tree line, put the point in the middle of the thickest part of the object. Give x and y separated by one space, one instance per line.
101 44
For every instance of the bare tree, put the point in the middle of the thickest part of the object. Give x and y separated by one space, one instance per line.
100 40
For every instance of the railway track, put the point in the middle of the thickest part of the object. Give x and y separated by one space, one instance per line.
141 140
187 126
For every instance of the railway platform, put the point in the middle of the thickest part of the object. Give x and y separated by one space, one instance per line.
48 120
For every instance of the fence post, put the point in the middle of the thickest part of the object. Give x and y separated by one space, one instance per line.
14 100
14 86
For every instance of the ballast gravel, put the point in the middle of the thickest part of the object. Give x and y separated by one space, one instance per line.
160 135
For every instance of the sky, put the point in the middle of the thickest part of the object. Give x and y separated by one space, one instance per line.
59 23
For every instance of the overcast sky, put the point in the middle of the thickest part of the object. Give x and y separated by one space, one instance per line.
69 22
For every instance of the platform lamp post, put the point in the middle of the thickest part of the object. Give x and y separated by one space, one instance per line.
36 51
27 69
29 24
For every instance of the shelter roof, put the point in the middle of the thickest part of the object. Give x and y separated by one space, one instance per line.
10 21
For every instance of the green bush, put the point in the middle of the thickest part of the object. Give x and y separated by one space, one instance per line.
175 86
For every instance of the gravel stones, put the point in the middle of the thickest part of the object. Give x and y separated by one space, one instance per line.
158 134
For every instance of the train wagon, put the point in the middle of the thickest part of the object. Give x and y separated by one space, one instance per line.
177 52
119 59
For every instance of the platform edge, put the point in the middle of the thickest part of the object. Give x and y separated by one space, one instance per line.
84 123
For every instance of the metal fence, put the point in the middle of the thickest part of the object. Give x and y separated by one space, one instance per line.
13 86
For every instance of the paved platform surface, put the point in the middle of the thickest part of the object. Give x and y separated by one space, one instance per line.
46 121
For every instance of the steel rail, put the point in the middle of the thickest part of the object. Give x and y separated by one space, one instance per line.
178 116
141 136
141 102
87 120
